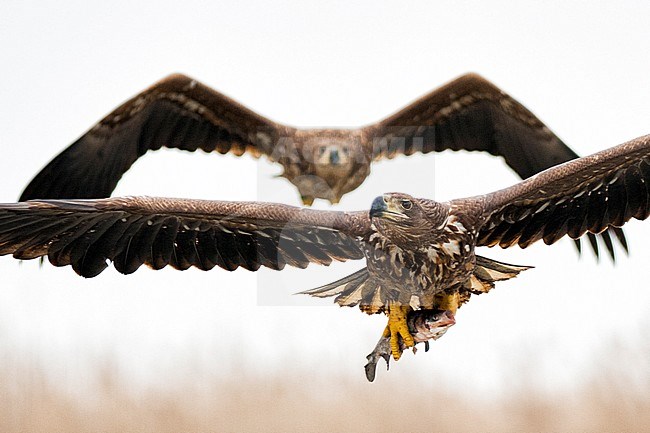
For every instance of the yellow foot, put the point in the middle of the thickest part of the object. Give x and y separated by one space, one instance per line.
449 302
397 327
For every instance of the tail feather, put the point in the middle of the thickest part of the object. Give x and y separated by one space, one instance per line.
349 291
358 288
355 289
488 271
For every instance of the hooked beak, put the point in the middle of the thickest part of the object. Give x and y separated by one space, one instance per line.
378 207
334 157
383 207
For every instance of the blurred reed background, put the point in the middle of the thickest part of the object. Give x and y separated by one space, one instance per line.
32 399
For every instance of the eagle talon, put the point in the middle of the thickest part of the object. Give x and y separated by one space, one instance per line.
424 325
381 351
398 328
307 200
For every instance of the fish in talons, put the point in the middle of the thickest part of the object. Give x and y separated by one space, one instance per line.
424 326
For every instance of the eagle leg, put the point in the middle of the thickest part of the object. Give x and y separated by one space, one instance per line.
445 301
397 327
307 200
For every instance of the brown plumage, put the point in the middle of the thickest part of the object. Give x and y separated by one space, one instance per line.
415 249
468 113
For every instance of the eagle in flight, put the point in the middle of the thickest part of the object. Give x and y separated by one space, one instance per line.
419 253
469 113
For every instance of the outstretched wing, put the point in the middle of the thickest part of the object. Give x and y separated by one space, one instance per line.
471 113
87 234
585 195
177 112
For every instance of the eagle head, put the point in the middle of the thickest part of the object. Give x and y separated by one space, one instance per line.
334 162
407 220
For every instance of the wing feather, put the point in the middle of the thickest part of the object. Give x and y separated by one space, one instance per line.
177 112
130 232
471 113
589 194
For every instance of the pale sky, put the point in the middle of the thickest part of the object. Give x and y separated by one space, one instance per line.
581 67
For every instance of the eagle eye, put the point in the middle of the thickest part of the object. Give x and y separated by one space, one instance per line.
321 150
406 204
